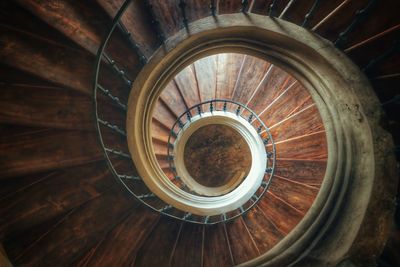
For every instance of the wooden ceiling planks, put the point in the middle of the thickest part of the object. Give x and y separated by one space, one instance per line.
254 72
282 106
45 107
159 245
120 245
52 196
308 147
197 9
168 13
228 68
189 246
164 114
79 231
278 81
302 123
297 195
304 171
173 98
205 71
216 247
45 151
284 216
263 231
240 241
187 84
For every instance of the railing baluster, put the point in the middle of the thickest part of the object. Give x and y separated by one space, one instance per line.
224 107
129 177
182 6
149 195
250 118
132 42
112 127
118 152
117 69
268 170
164 209
213 8
272 7
155 22
360 16
211 106
288 5
238 110
114 98
310 13
199 110
186 216
245 4
188 116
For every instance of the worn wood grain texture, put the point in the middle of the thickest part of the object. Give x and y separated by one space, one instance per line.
227 73
206 75
298 195
49 150
263 231
251 75
168 14
197 9
309 147
79 231
278 81
17 18
86 23
163 114
284 105
189 247
216 249
229 6
305 171
50 107
173 98
304 122
157 249
241 243
57 193
280 213
187 84
119 246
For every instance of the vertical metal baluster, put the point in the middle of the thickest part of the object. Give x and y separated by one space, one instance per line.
211 107
238 110
224 107
188 116
360 16
310 13
259 129
245 4
250 117
199 110
213 8
272 10
155 22
182 6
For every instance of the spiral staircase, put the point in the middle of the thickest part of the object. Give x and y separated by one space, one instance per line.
224 162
